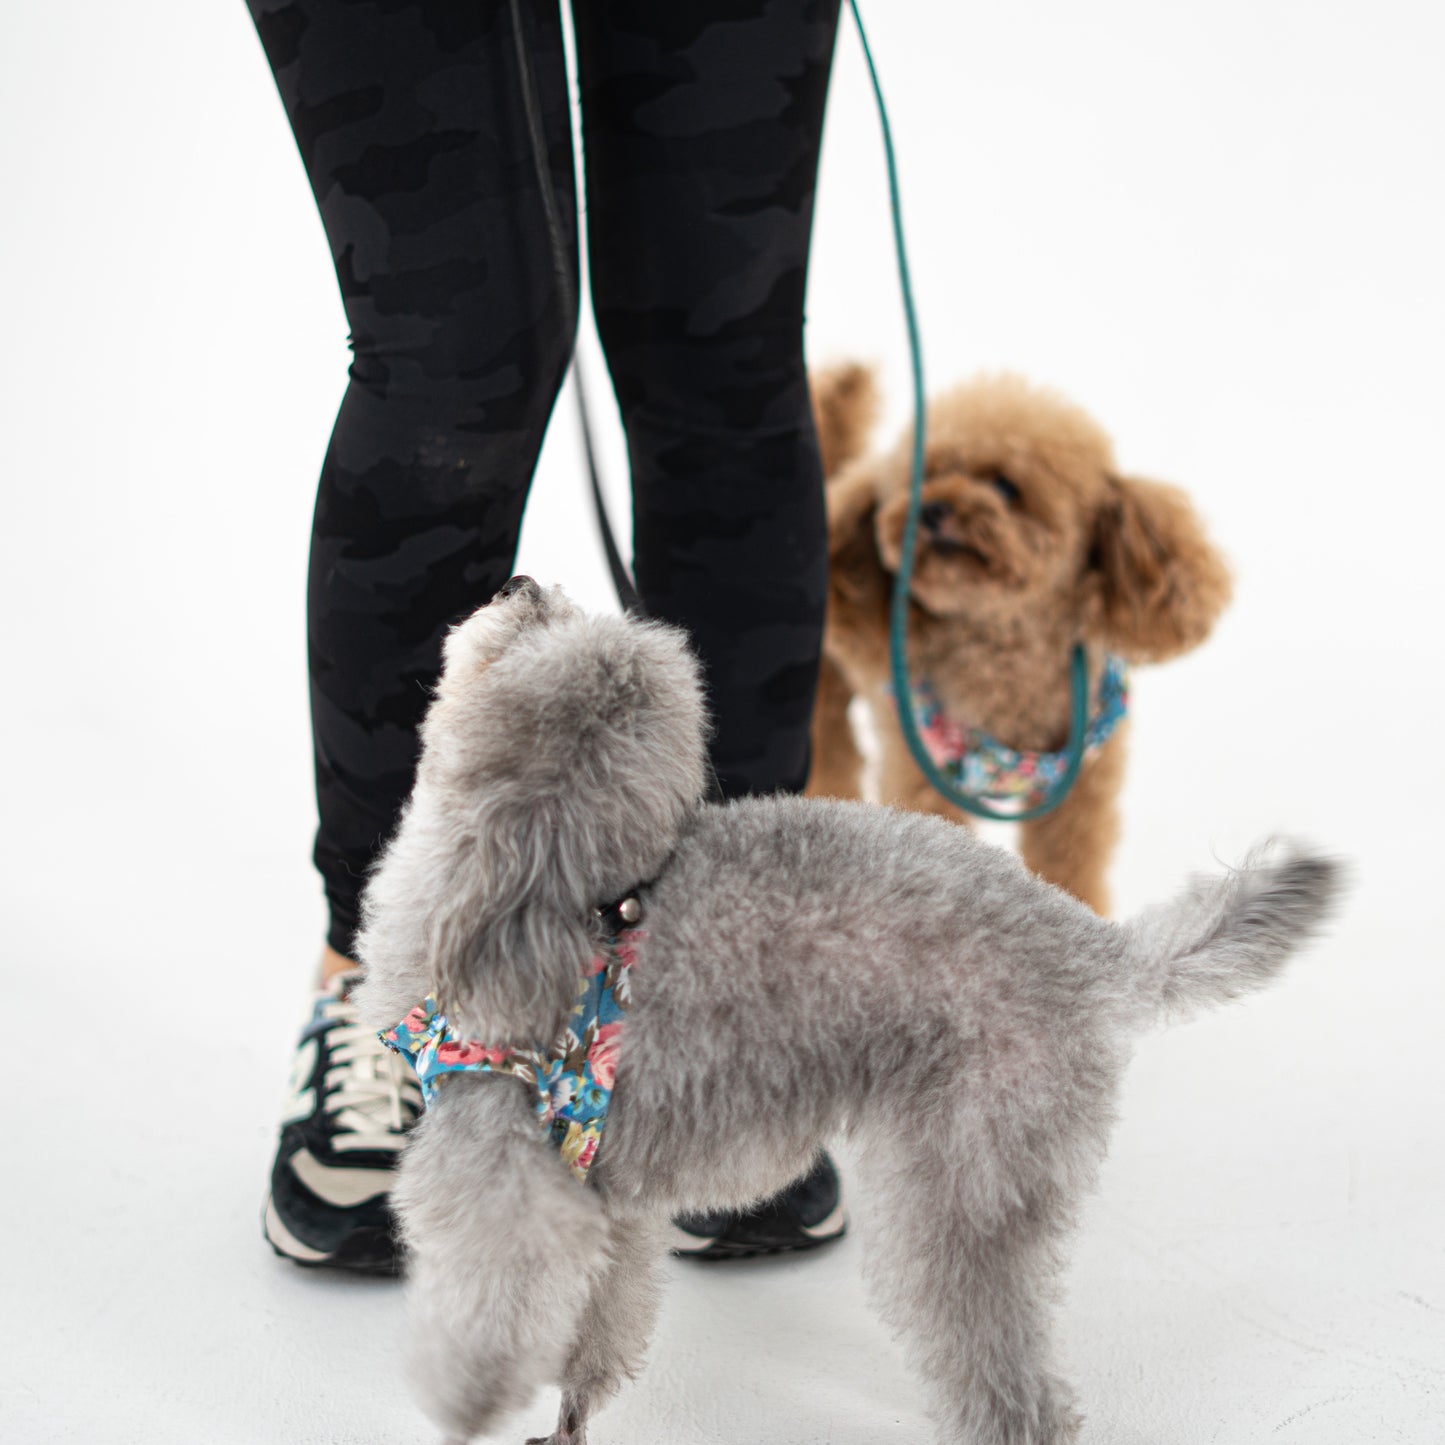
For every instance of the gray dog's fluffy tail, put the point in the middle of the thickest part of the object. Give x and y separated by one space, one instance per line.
1222 937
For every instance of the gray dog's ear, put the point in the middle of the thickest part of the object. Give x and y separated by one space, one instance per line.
501 951
1154 583
506 953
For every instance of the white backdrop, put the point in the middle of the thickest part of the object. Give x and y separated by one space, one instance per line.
1217 227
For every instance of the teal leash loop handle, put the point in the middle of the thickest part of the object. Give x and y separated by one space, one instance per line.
898 614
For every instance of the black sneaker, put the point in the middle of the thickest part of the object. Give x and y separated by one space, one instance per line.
352 1100
806 1214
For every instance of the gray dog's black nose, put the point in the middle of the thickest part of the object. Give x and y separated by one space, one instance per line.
519 584
933 514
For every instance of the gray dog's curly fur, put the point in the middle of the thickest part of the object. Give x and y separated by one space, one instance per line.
809 967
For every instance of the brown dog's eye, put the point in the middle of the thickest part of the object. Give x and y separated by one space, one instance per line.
1005 488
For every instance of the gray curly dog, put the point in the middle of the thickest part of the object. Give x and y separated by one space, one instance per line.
809 968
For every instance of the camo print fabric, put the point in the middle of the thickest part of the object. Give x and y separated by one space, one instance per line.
701 126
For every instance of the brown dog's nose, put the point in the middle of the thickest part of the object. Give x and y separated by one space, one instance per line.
933 515
520 583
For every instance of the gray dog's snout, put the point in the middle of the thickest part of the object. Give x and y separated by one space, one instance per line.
519 584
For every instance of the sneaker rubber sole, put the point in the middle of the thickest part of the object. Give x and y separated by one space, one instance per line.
756 1238
365 1251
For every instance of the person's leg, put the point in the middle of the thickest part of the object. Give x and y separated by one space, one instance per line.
701 130
410 123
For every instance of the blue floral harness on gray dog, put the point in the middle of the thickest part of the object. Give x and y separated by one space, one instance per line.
570 1083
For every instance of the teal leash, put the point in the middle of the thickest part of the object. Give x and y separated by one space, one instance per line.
898 614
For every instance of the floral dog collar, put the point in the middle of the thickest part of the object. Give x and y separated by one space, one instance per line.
571 1083
987 768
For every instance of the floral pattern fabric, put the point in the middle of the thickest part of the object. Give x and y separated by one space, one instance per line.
570 1083
981 765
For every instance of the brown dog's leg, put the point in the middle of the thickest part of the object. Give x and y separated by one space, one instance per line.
837 770
613 1329
1071 846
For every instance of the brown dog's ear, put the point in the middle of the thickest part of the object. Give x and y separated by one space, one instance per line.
845 408
1156 584
855 572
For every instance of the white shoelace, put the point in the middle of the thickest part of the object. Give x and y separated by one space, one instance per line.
372 1092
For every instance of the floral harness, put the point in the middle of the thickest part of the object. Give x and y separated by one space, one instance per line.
987 768
570 1083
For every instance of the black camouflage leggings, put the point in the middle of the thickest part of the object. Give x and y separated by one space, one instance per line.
701 126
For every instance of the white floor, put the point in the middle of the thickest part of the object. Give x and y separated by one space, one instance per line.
1217 227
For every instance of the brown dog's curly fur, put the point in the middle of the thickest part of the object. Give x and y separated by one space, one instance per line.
1030 541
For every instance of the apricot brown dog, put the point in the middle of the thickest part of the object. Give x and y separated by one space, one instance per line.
1030 541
